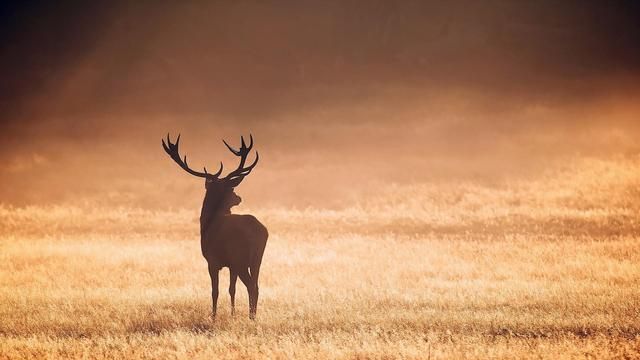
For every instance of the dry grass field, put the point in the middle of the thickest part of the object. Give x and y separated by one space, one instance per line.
543 268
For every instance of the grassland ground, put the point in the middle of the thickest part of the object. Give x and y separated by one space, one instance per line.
546 268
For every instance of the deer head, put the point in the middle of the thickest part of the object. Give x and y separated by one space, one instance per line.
222 187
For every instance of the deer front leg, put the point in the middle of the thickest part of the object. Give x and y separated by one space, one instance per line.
213 273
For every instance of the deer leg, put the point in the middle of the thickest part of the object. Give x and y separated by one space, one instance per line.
255 274
251 289
213 273
233 277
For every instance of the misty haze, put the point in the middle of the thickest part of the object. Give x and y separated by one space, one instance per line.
438 179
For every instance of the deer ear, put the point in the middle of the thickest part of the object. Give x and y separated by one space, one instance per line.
234 182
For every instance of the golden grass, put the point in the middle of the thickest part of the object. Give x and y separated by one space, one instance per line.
545 268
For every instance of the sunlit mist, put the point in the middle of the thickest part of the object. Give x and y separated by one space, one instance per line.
439 179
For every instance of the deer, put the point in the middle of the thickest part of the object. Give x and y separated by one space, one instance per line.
227 240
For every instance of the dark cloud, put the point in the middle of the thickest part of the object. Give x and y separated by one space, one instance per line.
251 57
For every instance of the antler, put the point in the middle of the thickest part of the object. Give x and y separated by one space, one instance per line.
237 175
172 150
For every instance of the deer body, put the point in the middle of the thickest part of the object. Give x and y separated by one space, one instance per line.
228 240
236 242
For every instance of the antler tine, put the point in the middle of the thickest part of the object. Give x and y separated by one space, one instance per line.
250 142
165 146
219 171
234 151
244 145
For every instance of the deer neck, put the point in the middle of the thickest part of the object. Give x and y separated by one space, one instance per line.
212 211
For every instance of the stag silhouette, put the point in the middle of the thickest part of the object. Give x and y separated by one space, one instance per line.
228 240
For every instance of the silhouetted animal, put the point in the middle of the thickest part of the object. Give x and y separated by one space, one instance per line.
228 240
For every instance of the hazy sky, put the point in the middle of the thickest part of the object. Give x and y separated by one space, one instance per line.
374 91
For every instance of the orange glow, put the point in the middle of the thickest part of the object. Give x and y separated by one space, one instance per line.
438 179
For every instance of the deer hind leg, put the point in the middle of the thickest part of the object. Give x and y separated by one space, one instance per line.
233 277
255 274
213 273
251 289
